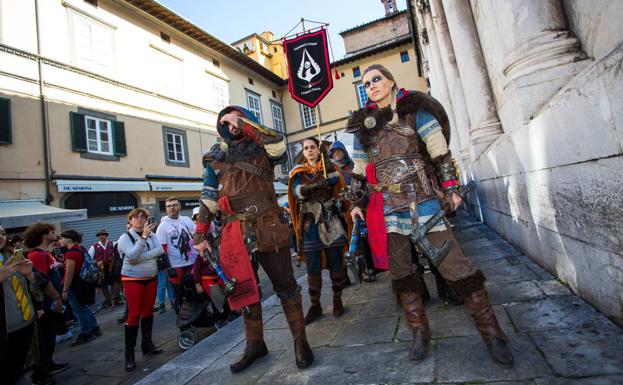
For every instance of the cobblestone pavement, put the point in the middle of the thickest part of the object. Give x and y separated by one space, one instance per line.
556 337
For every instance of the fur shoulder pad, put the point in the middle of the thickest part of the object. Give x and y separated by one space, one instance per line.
415 101
356 120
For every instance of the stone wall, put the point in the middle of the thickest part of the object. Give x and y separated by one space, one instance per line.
549 177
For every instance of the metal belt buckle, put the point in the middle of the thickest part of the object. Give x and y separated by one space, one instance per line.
394 188
378 188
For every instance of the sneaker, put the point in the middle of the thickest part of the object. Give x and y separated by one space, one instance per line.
122 319
97 331
64 337
58 368
162 308
81 339
156 308
107 303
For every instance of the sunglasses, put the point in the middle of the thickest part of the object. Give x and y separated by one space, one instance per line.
375 80
310 147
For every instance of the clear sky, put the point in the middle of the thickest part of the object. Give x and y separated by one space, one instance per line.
235 19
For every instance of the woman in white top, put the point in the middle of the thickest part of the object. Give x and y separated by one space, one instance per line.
139 248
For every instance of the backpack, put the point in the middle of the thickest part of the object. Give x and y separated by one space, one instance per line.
89 272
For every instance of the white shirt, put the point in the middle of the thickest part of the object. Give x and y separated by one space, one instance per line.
171 232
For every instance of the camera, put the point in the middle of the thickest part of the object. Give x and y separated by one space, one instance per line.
164 264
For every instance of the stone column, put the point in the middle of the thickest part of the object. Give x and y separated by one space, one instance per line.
437 75
438 18
537 55
485 126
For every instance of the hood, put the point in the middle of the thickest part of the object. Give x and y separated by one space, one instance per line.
337 145
222 129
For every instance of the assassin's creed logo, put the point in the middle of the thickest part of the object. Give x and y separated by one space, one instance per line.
308 67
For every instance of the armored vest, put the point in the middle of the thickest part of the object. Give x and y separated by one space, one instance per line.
401 163
245 176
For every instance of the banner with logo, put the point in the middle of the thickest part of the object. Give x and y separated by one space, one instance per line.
309 71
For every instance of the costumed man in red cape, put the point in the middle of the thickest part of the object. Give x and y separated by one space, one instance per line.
401 158
243 164
313 195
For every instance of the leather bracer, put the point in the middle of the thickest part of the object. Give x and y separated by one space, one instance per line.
357 195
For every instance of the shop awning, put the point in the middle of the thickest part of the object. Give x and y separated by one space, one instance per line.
176 186
21 213
67 185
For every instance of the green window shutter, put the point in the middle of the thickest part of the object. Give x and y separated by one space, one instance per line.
119 135
5 121
78 132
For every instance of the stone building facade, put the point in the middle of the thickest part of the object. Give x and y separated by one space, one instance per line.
535 95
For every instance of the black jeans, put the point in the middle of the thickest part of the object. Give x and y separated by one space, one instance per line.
47 326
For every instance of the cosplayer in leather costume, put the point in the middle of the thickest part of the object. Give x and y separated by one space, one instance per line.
401 158
316 210
243 164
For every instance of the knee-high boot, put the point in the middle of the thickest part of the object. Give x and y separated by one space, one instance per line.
147 344
293 309
254 332
131 332
338 282
315 285
474 294
409 293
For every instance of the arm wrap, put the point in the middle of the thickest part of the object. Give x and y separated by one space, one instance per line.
446 172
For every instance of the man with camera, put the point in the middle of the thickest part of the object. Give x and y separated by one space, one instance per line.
175 232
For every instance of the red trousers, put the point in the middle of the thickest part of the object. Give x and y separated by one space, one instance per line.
140 295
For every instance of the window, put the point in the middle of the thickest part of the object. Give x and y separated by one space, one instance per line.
278 123
356 72
92 2
175 147
253 104
98 135
308 116
165 37
92 44
175 152
5 121
221 93
250 81
361 95
404 56
216 63
274 94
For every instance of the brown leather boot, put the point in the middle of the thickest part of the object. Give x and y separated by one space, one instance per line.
315 285
409 296
338 282
487 324
293 309
255 347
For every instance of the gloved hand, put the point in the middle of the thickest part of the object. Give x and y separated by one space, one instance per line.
309 189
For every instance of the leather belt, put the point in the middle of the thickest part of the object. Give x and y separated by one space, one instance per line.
394 188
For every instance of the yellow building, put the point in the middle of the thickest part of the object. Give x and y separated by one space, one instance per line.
264 49
107 105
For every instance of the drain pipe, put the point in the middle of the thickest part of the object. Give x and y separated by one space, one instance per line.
44 110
